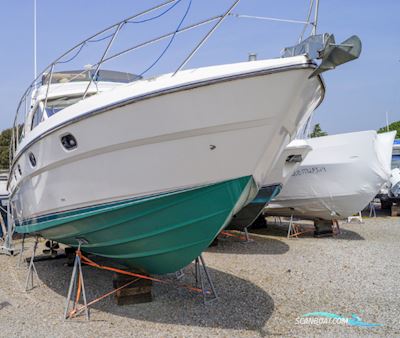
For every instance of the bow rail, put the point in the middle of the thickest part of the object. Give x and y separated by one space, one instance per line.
91 71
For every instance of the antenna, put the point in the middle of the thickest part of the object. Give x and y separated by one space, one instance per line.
387 122
34 41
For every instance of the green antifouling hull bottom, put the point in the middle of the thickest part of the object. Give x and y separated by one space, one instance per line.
158 234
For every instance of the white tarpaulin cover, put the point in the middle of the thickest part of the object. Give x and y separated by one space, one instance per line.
289 160
395 182
338 178
3 186
283 167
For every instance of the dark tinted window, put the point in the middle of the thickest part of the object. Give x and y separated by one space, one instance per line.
37 117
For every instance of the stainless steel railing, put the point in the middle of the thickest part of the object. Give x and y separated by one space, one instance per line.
111 33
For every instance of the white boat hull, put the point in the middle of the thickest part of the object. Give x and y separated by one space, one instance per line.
338 178
180 138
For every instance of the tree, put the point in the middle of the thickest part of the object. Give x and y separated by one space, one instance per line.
5 139
393 126
317 131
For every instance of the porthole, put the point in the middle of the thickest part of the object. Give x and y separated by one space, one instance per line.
32 159
69 142
19 170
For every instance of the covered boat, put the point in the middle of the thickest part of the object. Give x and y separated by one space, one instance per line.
338 178
3 203
395 175
324 47
288 161
390 192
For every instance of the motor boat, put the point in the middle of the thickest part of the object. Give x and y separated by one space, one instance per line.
3 203
291 157
338 178
147 171
390 192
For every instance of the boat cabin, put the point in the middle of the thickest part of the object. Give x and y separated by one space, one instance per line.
67 88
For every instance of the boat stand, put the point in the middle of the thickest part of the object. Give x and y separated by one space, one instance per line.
336 227
247 236
357 218
372 211
277 219
296 229
199 264
7 247
76 288
32 268
290 230
22 250
179 274
3 226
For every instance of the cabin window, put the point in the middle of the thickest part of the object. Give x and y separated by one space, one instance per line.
52 107
50 111
32 159
37 117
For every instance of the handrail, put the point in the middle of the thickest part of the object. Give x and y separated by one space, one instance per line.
48 72
162 37
48 85
212 30
149 42
82 43
105 30
102 58
50 69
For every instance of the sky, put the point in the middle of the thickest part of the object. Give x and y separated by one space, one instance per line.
359 94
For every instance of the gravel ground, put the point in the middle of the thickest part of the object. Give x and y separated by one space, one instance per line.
263 287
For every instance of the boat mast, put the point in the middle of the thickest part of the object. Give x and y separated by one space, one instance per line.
34 41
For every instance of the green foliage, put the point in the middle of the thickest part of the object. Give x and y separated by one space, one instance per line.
317 131
393 126
5 138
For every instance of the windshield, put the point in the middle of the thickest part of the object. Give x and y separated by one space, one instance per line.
54 106
86 75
